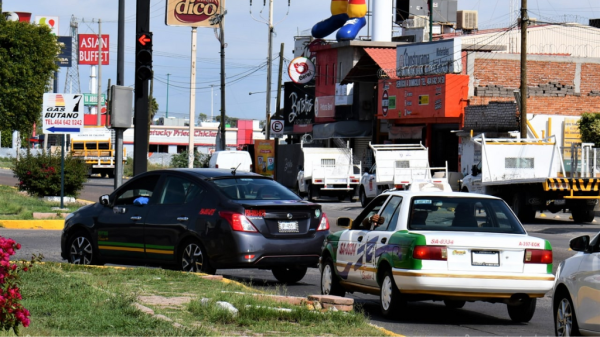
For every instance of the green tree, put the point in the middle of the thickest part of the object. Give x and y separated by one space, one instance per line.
27 62
202 117
232 121
589 127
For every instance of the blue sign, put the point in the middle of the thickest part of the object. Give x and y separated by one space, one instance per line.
63 130
66 51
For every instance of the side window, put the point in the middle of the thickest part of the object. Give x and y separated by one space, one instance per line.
390 211
179 191
371 209
143 187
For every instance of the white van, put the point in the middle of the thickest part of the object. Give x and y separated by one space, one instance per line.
231 159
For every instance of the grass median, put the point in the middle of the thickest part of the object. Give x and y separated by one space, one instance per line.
68 300
19 206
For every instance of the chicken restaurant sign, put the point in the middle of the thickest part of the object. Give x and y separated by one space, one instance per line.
429 58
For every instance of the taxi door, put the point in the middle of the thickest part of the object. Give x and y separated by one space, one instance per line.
377 240
369 183
587 282
120 226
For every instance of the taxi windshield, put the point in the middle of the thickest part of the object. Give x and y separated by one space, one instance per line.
248 188
462 214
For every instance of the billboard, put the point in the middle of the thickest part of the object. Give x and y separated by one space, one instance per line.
423 97
88 49
66 51
428 58
299 107
264 157
50 21
190 13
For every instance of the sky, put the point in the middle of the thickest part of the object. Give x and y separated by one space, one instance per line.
246 35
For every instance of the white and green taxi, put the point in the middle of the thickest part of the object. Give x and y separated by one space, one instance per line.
442 246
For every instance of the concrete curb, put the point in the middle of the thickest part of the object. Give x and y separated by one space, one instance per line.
33 224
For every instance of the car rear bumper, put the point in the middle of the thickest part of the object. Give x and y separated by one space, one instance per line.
472 285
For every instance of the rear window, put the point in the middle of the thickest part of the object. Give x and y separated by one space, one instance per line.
254 189
462 214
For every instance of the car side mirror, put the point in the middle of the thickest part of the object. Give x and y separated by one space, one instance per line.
580 244
474 170
104 200
344 222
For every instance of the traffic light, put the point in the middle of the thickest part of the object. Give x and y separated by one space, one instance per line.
143 57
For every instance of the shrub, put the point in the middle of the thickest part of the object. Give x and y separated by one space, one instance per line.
180 160
12 312
589 127
40 175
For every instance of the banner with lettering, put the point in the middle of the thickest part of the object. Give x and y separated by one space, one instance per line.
264 157
299 107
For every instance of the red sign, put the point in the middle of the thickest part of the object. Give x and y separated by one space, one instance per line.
423 97
88 49
192 13
325 107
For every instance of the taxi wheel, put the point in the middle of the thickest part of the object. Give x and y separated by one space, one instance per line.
523 312
565 321
330 284
389 296
454 304
192 258
81 249
289 275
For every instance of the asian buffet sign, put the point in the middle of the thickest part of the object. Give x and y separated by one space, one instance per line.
429 58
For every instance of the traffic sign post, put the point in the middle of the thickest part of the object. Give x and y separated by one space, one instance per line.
92 99
276 128
62 114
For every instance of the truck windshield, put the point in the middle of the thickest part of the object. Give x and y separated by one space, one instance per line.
463 214
247 188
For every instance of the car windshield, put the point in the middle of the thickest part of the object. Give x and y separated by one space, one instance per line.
462 214
248 188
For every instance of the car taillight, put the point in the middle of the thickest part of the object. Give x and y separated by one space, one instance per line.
238 222
318 180
353 180
251 167
538 256
430 253
216 165
324 225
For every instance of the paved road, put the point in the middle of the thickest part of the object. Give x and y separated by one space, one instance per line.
424 318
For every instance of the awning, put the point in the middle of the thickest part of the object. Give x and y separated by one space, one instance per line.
343 129
375 64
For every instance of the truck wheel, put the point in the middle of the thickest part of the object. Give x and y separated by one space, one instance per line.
583 214
524 212
111 174
297 190
310 193
364 201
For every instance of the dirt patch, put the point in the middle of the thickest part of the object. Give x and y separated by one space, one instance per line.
168 302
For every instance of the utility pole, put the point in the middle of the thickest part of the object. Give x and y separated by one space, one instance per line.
99 112
269 69
150 100
279 78
140 157
524 22
430 20
219 19
167 113
212 95
192 100
120 80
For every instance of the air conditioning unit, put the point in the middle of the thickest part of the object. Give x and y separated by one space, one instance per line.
466 20
416 22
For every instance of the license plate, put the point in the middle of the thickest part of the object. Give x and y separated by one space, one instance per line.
288 226
485 258
559 202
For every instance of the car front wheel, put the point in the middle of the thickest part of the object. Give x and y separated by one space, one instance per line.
522 312
289 275
330 284
81 249
565 321
389 296
193 258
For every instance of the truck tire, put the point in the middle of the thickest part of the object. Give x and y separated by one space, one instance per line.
583 214
524 212
310 193
364 201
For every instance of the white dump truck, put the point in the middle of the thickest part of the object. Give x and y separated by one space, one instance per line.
328 172
398 166
529 174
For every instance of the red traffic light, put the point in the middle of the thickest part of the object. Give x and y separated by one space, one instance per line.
143 39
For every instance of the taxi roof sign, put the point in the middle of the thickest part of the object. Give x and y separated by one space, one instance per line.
62 113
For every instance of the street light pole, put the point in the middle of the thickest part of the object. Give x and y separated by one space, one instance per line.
269 69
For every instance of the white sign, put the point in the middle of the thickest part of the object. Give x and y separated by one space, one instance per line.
429 58
276 128
301 70
50 21
92 133
62 113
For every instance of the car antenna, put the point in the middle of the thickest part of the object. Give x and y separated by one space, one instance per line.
235 169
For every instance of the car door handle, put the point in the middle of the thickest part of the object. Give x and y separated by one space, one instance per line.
135 218
383 240
360 238
182 218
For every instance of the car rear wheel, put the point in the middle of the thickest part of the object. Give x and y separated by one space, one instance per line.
524 211
330 284
193 258
522 312
565 321
81 249
454 304
289 275
390 299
